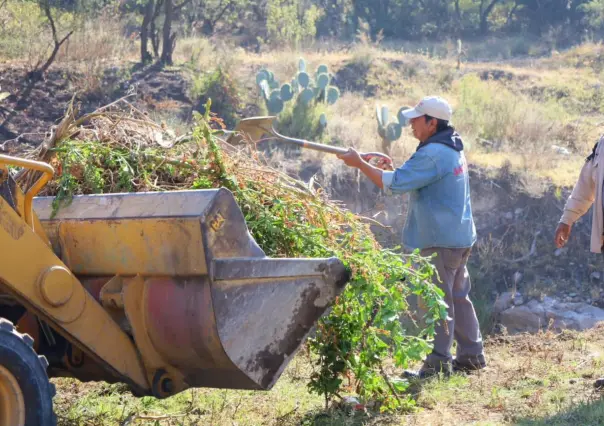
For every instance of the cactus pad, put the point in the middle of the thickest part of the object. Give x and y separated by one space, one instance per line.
261 76
266 92
303 79
306 96
393 131
322 80
275 106
322 69
275 94
287 93
402 120
333 94
323 120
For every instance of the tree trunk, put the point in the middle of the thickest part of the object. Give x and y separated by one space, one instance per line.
148 17
168 40
38 72
484 16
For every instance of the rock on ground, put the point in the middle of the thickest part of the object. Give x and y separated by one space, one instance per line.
537 315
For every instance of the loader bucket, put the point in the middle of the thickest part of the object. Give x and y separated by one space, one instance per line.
214 307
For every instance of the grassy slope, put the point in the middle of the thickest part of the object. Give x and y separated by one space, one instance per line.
531 380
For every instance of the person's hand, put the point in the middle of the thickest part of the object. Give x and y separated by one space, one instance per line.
352 158
382 161
562 235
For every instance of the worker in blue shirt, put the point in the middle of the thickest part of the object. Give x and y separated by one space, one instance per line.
439 221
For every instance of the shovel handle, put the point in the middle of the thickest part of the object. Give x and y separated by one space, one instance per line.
384 162
310 145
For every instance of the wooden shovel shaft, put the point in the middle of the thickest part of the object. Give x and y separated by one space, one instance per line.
311 145
328 148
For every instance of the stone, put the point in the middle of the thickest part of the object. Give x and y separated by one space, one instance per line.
504 301
560 150
596 275
529 317
518 299
560 251
536 315
509 215
572 294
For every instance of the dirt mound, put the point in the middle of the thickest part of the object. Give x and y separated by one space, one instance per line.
33 107
353 77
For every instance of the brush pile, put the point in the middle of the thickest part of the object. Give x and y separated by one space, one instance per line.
120 149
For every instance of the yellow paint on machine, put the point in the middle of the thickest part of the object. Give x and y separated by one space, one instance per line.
151 246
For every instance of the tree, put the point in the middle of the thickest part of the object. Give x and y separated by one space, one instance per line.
38 72
168 38
486 7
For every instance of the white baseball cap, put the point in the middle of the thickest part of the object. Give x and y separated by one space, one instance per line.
433 106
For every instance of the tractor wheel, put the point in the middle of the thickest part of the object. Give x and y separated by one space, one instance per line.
25 391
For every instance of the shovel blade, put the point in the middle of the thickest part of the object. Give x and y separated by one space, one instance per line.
251 129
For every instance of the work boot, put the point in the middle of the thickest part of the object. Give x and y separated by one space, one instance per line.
599 384
471 364
428 371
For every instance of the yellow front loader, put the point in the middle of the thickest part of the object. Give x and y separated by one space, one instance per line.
162 291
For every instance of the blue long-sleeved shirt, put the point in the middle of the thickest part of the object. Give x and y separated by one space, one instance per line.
436 179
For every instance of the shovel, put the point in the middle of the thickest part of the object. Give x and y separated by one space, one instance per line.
254 128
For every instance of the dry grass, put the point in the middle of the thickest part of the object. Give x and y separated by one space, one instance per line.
528 378
531 379
102 40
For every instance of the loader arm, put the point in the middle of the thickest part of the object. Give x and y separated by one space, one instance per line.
40 281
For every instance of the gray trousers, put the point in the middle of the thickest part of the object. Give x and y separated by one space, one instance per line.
462 323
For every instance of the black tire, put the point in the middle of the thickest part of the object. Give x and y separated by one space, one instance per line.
18 356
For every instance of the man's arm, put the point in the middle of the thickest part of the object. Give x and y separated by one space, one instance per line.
373 173
420 170
353 159
582 196
579 201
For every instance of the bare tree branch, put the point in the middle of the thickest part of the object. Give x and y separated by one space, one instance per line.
180 6
222 12
38 72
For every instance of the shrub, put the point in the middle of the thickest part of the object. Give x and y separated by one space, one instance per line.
224 91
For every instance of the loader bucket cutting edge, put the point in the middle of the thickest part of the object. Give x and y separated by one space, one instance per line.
215 307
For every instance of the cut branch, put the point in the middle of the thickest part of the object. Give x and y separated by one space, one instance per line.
531 252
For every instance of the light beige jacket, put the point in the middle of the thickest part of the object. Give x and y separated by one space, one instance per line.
588 191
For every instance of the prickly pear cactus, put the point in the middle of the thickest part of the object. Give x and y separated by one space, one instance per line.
389 131
305 89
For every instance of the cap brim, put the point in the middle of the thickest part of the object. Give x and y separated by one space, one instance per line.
412 113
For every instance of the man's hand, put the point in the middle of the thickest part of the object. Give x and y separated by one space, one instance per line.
352 158
562 235
382 162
